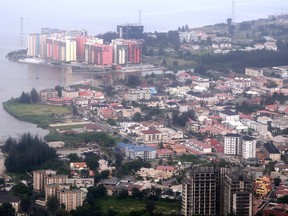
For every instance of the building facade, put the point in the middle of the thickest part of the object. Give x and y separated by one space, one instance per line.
39 179
233 144
248 147
238 194
199 191
130 31
71 198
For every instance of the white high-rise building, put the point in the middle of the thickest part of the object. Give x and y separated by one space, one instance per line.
233 144
248 147
33 45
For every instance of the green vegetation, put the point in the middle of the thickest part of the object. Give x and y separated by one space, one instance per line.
101 138
248 108
128 205
6 209
27 154
40 114
181 119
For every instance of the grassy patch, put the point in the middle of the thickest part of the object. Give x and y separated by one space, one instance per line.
40 114
124 206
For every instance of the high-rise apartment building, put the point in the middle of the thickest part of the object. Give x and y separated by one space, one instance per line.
238 196
71 198
134 51
54 190
233 144
130 31
43 45
62 50
199 191
80 47
39 179
33 45
216 191
120 52
248 147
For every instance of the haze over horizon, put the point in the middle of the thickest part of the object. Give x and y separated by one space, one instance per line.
99 17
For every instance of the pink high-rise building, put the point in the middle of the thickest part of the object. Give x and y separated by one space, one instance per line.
80 48
99 54
134 51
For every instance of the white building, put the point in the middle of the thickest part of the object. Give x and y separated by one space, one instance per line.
138 94
228 115
232 144
248 147
143 152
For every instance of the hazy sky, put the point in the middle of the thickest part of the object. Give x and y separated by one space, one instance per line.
99 16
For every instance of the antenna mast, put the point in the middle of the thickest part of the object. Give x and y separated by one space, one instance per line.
21 36
140 17
233 11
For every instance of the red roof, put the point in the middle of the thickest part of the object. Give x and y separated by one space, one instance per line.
67 99
165 168
151 131
84 94
55 99
164 151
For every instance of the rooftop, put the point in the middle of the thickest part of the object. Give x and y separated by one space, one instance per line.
271 148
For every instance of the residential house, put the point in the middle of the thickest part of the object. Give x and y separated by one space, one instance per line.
254 72
128 113
164 153
70 92
8 197
206 98
46 94
228 115
170 134
138 94
78 166
151 135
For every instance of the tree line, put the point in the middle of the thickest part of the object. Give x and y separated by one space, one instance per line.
239 60
27 153
29 97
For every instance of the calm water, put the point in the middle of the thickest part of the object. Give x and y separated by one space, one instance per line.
15 78
97 17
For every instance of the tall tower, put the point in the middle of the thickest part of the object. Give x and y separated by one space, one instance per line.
21 43
237 194
200 191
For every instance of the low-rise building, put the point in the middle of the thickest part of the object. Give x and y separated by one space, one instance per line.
151 135
254 72
78 166
138 94
229 115
271 152
46 94
142 151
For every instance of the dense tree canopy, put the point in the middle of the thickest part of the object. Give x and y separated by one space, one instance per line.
6 209
32 97
181 119
239 60
27 154
133 81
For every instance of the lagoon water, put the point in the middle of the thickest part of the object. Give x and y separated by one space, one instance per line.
15 78
98 16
